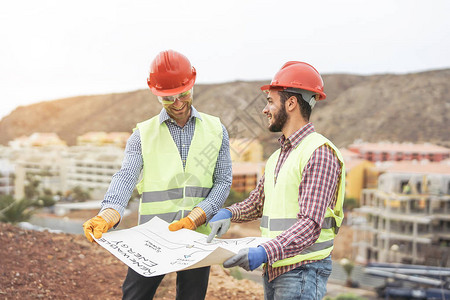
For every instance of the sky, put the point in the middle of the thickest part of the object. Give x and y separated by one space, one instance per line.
56 49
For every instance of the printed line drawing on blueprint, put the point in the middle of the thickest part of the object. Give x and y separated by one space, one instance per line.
151 249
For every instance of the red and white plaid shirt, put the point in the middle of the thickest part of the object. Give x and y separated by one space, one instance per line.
317 191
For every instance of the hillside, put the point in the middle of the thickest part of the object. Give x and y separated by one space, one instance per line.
404 108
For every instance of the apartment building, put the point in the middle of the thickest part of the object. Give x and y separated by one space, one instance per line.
407 217
60 170
6 177
44 164
359 174
92 163
246 175
38 139
92 167
248 166
384 151
100 138
246 150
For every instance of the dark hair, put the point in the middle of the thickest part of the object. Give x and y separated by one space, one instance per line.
305 109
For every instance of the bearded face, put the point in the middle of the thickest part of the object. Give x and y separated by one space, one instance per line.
275 112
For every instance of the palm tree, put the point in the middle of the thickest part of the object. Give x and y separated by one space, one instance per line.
347 265
12 211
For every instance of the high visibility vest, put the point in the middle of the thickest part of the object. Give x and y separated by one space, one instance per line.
167 190
281 199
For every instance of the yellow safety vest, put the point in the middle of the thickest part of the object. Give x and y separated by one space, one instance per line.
167 190
281 199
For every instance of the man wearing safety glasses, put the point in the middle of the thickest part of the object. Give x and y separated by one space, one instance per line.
185 160
178 106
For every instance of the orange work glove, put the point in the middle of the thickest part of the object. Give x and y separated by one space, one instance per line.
194 219
101 223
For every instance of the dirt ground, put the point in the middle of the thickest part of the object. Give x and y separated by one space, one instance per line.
43 265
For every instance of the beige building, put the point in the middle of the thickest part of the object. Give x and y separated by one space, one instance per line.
92 167
246 175
6 177
248 165
99 138
384 151
246 150
407 217
359 174
38 139
45 164
60 170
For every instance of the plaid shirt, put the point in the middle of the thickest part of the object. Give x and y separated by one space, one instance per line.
124 181
317 191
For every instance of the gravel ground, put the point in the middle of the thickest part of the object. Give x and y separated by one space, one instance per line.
43 265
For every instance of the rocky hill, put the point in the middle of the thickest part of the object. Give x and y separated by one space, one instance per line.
405 108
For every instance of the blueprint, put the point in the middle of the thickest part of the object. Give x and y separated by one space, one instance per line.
151 249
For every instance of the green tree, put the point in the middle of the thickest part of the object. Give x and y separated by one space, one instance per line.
79 194
32 187
15 211
46 200
346 296
350 203
348 266
234 197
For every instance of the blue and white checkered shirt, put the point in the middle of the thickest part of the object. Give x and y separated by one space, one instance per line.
124 181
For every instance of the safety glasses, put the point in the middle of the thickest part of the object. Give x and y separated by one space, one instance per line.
171 99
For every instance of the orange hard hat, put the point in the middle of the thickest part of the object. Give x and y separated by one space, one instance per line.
171 73
300 75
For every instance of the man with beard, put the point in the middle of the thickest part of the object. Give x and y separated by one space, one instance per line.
185 160
299 198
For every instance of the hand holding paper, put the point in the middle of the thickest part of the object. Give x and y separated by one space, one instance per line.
151 249
219 224
248 258
101 223
193 220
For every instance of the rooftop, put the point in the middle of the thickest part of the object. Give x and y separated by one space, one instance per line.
415 167
398 147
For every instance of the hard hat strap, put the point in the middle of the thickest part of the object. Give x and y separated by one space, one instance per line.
307 96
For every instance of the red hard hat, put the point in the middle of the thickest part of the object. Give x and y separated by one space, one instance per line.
171 73
300 75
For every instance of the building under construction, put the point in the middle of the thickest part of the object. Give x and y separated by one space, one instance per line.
406 219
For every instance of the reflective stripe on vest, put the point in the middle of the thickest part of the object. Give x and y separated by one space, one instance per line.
285 224
318 247
172 194
279 216
168 190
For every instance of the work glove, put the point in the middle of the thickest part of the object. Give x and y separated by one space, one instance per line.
101 223
194 219
247 258
219 224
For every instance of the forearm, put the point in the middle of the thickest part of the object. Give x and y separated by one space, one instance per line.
124 181
215 200
292 241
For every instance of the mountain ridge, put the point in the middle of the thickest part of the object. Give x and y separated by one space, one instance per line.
411 107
